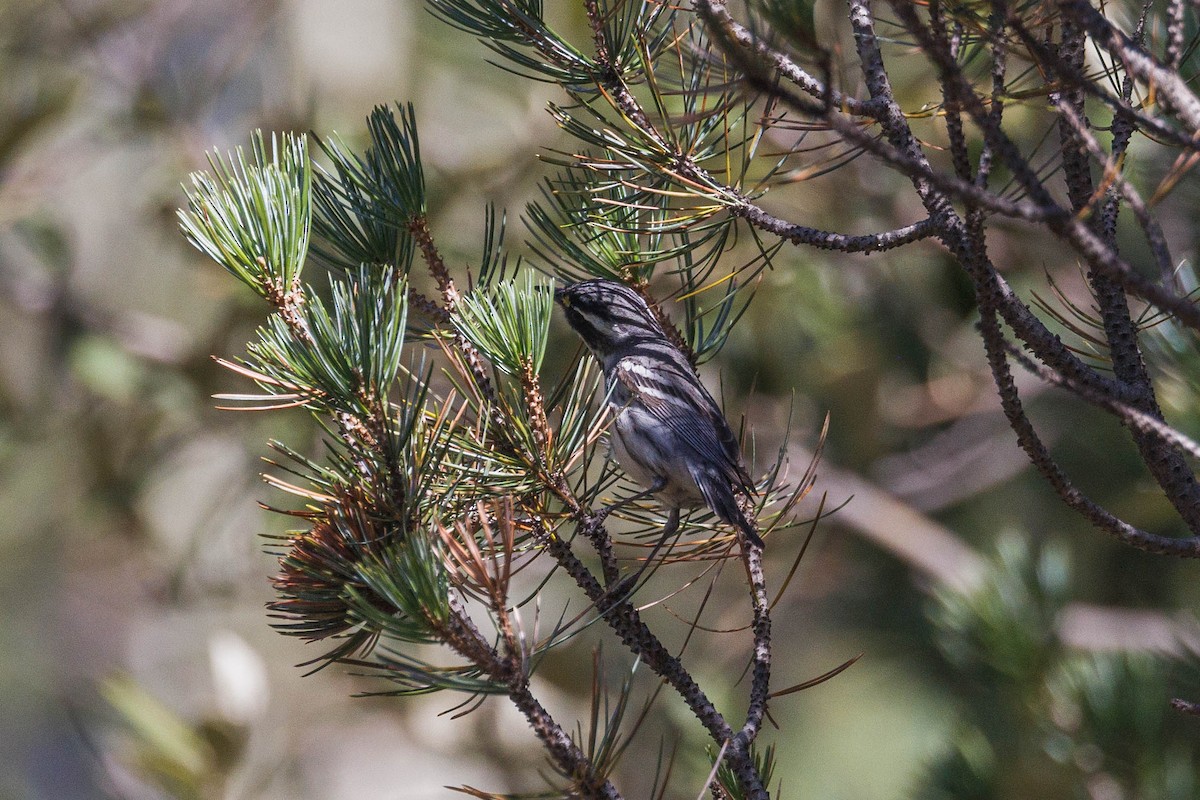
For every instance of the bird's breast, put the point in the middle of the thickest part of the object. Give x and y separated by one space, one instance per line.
642 445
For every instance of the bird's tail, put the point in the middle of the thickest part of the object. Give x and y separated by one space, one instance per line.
745 525
723 501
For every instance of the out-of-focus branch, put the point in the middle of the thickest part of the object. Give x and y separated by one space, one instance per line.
1186 707
918 540
940 557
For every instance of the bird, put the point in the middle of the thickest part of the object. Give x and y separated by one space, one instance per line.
668 434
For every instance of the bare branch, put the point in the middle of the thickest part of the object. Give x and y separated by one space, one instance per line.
760 684
782 63
828 240
1137 420
1163 459
464 637
1166 81
997 349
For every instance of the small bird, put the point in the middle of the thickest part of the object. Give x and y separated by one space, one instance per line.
668 434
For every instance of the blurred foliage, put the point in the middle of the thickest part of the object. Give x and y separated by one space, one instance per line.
1037 719
190 762
1003 632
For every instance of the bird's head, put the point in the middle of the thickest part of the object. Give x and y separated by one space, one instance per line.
609 316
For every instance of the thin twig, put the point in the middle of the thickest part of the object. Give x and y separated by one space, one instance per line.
1166 81
625 621
1098 253
904 152
462 635
997 349
760 682
1165 462
1135 419
828 240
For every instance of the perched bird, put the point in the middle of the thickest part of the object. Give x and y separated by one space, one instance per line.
668 435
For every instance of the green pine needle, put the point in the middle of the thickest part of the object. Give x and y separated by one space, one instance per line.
365 203
252 214
764 765
407 591
352 354
518 32
509 322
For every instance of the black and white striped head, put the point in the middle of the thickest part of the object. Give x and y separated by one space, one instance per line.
609 316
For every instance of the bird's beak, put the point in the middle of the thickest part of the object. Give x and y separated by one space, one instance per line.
560 297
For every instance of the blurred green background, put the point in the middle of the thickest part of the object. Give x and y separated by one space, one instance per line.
135 655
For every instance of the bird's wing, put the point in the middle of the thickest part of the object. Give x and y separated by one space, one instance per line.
674 395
